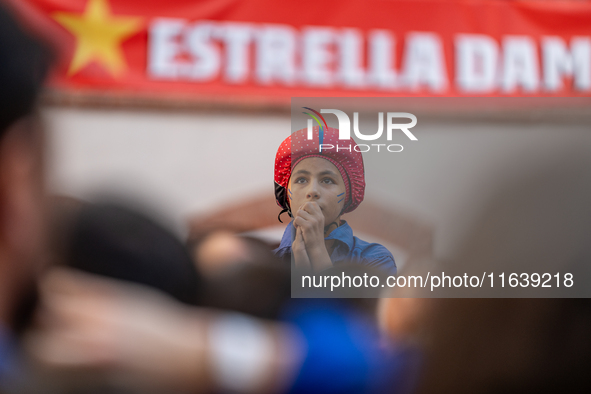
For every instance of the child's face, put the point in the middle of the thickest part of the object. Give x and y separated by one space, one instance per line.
317 179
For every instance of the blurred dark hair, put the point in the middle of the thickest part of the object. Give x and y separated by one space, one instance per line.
260 290
256 284
117 242
24 63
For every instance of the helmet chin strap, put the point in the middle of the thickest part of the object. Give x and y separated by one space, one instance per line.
282 212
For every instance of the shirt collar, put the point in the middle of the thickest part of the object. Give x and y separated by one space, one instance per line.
288 237
343 233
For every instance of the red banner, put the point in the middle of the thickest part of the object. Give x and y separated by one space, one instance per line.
272 50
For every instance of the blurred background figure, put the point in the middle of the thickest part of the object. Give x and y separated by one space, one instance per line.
24 61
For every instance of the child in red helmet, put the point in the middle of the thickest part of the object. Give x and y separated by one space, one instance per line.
316 181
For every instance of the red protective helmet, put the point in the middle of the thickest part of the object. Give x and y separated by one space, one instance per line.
325 143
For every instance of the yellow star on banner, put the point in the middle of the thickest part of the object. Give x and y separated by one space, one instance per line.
99 35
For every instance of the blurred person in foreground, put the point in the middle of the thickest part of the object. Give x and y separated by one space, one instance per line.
536 220
132 338
316 185
221 250
23 65
104 335
111 239
241 273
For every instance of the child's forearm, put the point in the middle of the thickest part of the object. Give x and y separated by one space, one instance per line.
319 258
301 259
298 249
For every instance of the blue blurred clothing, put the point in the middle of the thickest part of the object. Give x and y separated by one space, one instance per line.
348 249
345 352
9 370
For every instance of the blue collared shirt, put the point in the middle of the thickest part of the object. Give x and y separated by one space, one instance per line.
348 249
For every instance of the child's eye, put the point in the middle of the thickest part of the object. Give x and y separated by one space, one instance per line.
328 181
300 180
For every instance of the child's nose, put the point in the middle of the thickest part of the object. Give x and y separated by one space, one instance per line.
312 193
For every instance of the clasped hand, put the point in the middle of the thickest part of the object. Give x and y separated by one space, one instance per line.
308 248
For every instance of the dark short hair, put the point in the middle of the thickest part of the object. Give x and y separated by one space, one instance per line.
24 62
115 241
